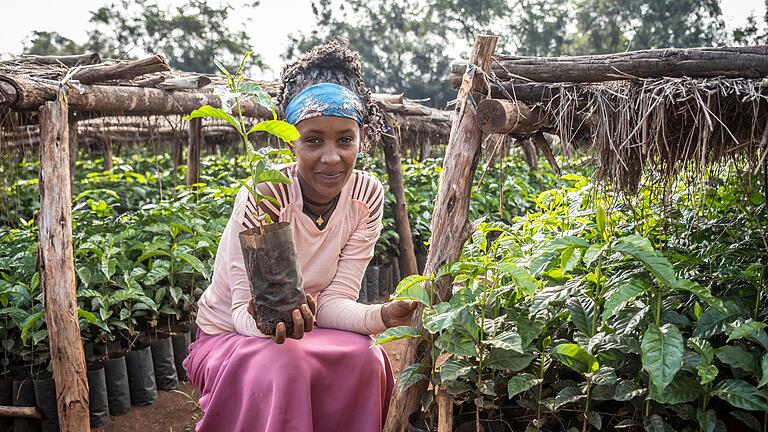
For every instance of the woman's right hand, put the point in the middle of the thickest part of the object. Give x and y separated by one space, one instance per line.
303 320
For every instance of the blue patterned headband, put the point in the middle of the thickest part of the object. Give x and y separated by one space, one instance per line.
325 99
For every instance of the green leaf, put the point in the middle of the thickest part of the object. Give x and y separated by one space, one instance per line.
654 423
682 389
411 376
456 342
764 368
736 357
281 129
618 297
520 383
641 250
269 175
194 262
259 95
500 359
552 294
707 420
627 390
576 358
520 276
606 375
703 348
740 394
700 291
438 318
593 253
662 354
208 111
29 325
507 340
454 368
86 315
84 274
39 335
582 311
152 254
748 419
746 328
397 333
412 288
159 271
707 373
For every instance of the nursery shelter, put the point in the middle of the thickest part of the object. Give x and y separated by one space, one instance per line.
56 103
643 112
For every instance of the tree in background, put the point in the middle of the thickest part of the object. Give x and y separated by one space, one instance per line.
50 43
404 45
605 26
190 36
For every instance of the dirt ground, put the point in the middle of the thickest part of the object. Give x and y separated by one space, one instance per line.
178 411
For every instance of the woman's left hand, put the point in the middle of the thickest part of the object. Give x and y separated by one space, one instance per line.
398 312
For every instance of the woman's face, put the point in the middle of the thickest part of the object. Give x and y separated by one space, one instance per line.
326 154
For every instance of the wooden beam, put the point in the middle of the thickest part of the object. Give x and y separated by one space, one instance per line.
20 412
391 145
450 222
121 70
21 93
728 62
57 269
106 143
66 60
501 116
193 155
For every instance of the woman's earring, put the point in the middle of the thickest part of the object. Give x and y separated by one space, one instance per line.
360 155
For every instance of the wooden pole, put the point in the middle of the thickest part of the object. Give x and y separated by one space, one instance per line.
728 62
193 155
122 70
444 411
20 412
450 222
106 143
391 146
57 269
501 116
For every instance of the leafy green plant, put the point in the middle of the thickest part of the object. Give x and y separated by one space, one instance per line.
232 97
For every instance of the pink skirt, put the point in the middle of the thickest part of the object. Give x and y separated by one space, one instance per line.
329 381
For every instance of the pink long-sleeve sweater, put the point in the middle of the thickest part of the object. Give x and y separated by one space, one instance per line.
332 260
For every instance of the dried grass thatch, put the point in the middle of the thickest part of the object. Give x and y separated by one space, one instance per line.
663 125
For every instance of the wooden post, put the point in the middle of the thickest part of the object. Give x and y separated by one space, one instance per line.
193 156
450 222
57 269
391 146
106 143
444 411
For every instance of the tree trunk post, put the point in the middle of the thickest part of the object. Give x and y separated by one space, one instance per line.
193 155
391 146
450 222
57 269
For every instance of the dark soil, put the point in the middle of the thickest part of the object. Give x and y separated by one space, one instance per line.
175 412
267 319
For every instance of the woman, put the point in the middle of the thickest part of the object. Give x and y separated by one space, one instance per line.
325 376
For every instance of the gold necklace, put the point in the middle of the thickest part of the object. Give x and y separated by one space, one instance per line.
320 219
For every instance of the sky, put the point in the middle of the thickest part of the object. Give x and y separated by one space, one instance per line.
270 34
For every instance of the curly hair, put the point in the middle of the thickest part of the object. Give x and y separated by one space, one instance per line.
332 62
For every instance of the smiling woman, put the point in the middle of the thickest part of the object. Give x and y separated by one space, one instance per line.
323 374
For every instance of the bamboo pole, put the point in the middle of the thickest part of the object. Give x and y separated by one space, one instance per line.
193 155
450 222
391 146
57 269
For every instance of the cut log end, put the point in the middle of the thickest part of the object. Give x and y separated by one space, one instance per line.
498 116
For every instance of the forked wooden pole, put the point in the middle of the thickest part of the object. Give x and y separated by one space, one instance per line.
57 269
450 223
